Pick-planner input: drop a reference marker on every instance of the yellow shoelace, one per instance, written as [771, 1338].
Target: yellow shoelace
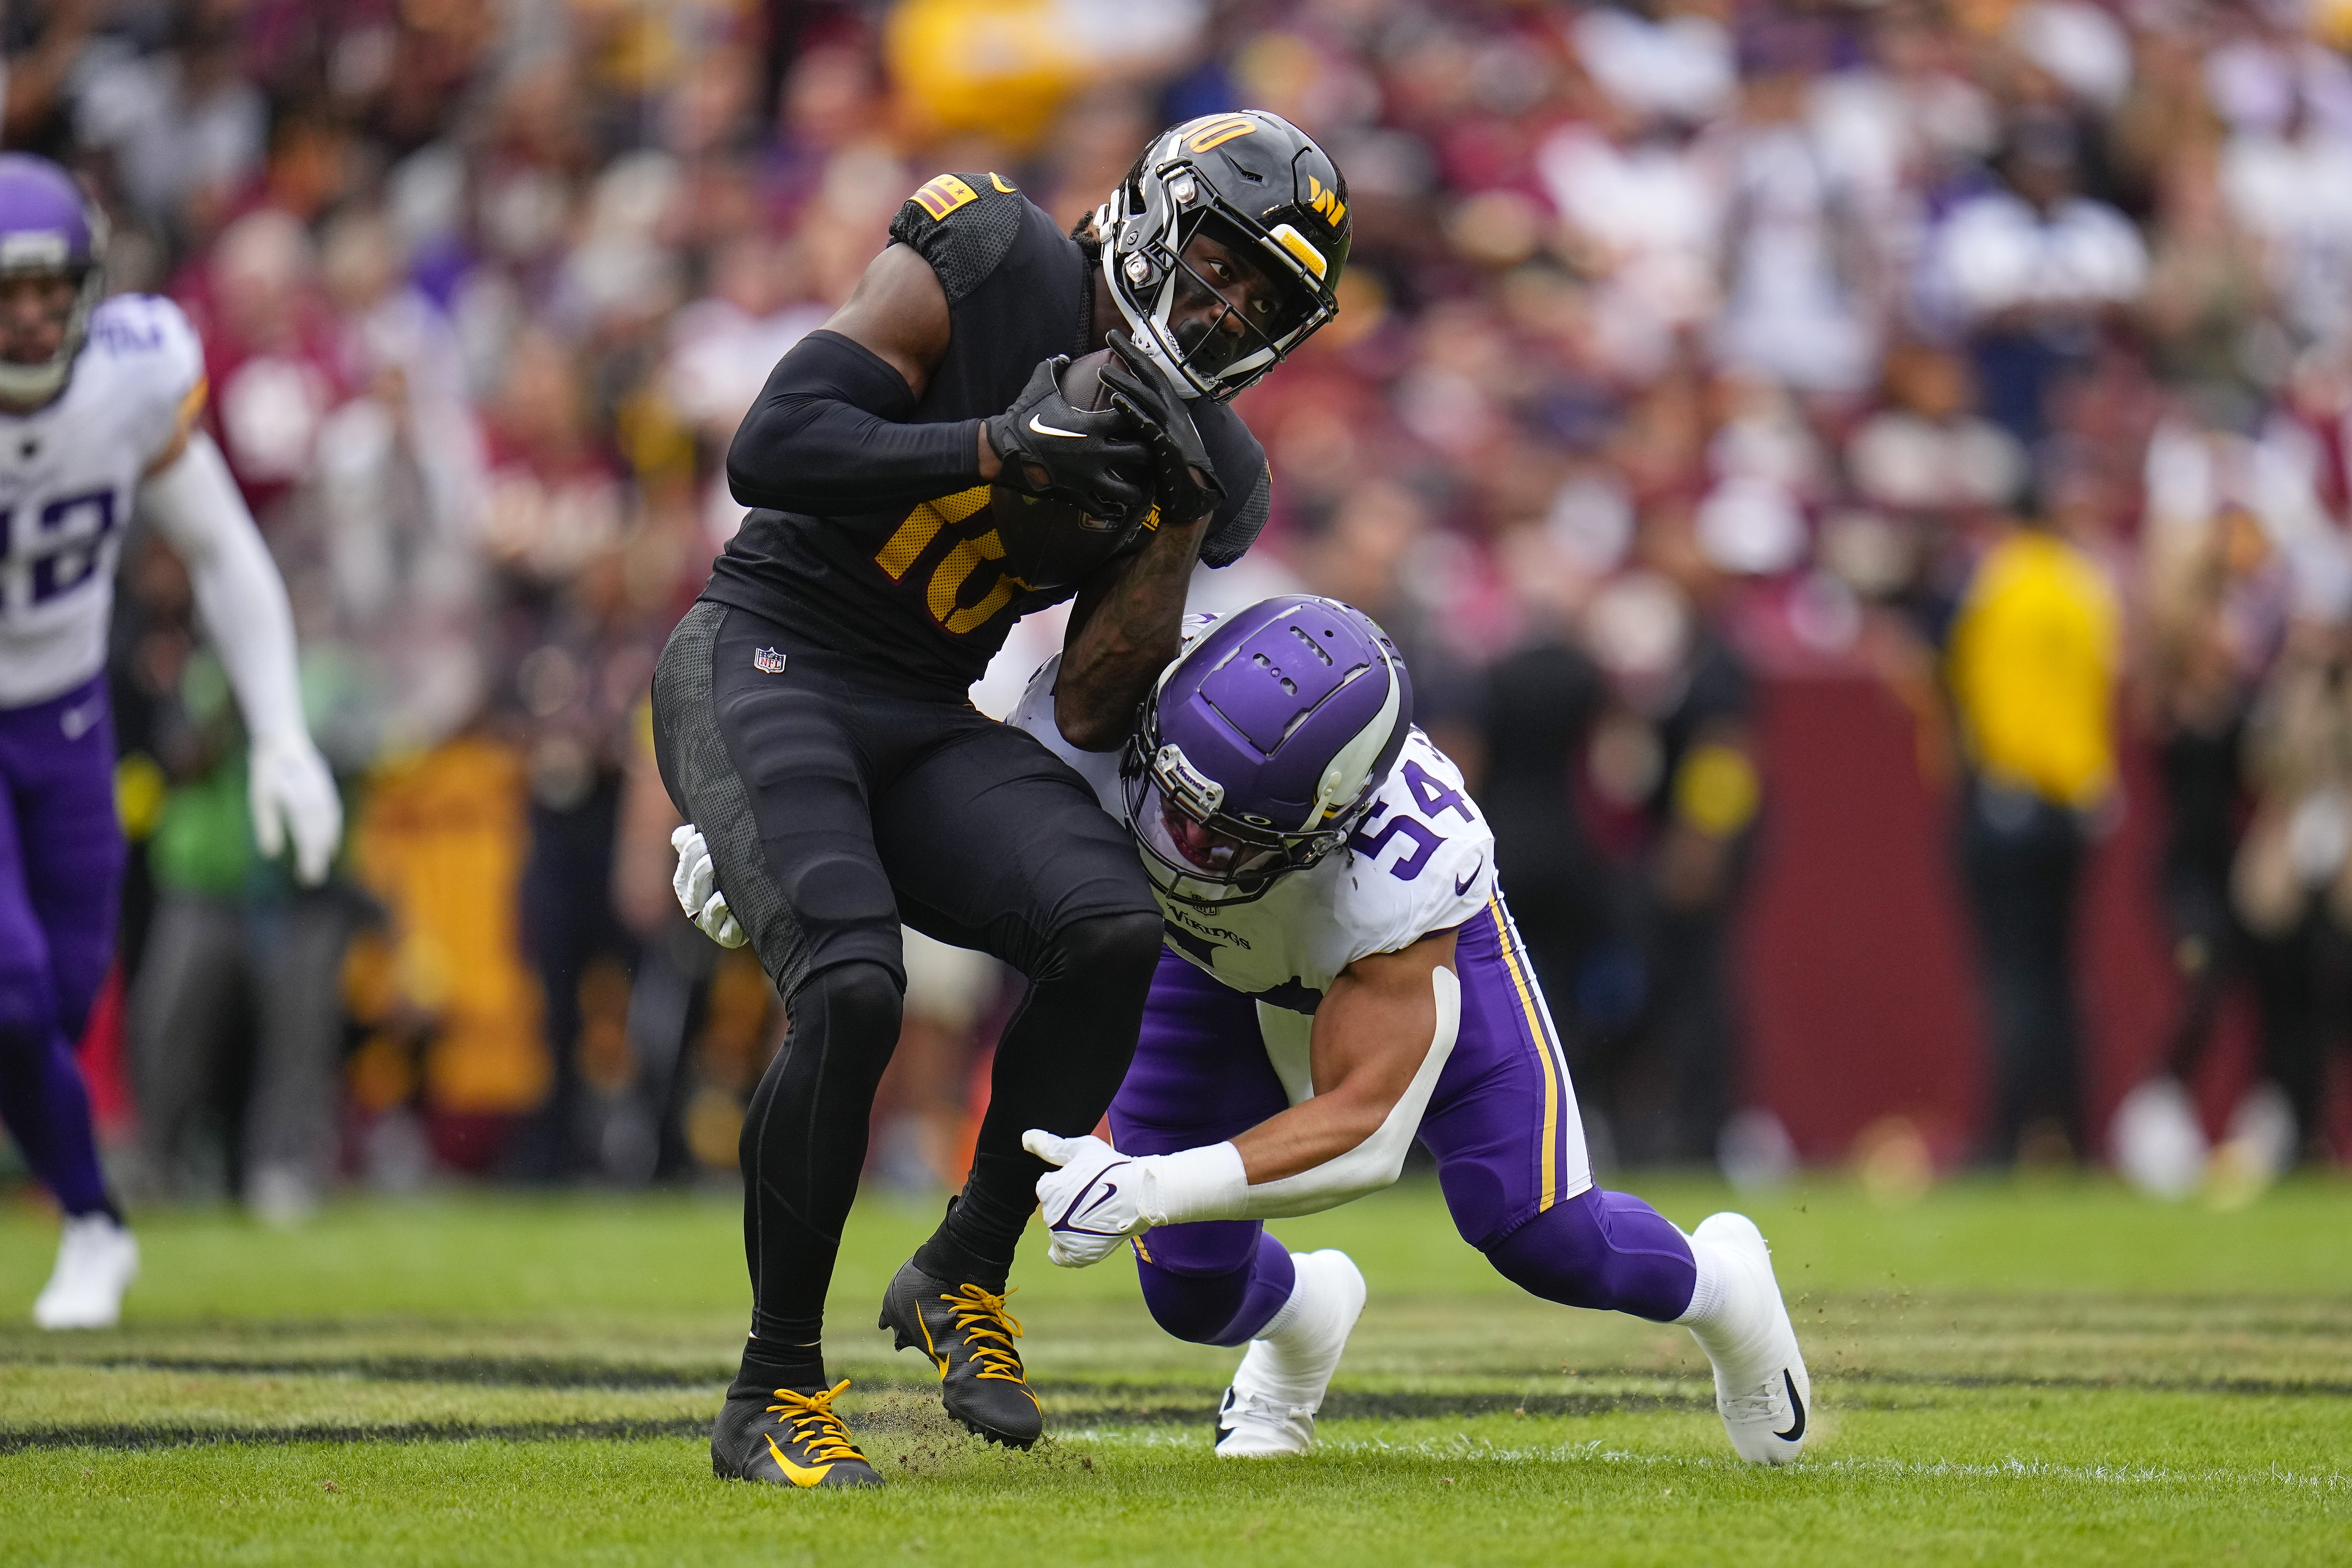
[981, 1317]
[813, 1423]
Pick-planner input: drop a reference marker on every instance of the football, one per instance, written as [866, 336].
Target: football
[1051, 543]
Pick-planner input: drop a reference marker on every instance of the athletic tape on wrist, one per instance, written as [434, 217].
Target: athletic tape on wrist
[1207, 1183]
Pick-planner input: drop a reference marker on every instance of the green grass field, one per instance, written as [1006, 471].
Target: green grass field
[2047, 1373]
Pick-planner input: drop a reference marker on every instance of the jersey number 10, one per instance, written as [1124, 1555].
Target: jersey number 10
[971, 554]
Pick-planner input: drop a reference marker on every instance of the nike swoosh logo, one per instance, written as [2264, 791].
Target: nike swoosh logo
[931, 1346]
[800, 1476]
[1797, 1431]
[1044, 429]
[78, 722]
[1463, 886]
[1071, 1218]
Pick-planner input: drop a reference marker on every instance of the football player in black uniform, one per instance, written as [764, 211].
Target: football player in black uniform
[812, 720]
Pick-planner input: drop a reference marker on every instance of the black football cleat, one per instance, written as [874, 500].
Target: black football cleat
[968, 1335]
[796, 1441]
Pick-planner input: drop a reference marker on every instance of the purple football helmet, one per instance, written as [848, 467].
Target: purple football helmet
[1261, 745]
[48, 229]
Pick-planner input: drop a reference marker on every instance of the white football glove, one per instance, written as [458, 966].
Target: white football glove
[293, 794]
[696, 882]
[1093, 1203]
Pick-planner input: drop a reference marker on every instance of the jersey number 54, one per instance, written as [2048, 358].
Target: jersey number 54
[1434, 797]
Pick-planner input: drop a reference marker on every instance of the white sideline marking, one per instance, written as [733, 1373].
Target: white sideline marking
[1463, 1448]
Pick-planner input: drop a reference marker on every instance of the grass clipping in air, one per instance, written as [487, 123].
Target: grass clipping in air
[2058, 1374]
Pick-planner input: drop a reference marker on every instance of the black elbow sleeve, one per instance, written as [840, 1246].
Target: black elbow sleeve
[828, 436]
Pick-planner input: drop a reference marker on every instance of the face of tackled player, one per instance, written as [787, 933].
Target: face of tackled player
[36, 312]
[1215, 861]
[1177, 835]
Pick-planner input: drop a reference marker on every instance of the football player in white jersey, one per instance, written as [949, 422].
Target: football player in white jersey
[98, 403]
[1342, 978]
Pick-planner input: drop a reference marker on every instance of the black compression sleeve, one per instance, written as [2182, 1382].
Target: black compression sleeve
[828, 436]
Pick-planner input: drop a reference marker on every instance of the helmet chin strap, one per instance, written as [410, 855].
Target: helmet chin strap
[27, 385]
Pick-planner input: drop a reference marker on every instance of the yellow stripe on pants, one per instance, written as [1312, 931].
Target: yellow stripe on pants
[1538, 1032]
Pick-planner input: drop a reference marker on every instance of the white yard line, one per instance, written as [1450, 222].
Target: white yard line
[1462, 1447]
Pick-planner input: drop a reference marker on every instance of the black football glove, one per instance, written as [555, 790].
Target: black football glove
[1184, 479]
[1051, 448]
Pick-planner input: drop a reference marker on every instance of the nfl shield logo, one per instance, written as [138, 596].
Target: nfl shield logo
[768, 661]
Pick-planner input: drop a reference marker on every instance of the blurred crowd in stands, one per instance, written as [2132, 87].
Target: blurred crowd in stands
[2002, 346]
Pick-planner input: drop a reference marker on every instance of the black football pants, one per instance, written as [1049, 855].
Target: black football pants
[2022, 861]
[837, 805]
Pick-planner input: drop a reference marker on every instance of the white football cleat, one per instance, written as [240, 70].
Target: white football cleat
[1270, 1409]
[2263, 1127]
[1254, 1426]
[2157, 1141]
[96, 1261]
[1762, 1389]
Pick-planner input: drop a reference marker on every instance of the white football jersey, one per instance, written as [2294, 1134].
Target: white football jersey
[1422, 859]
[70, 474]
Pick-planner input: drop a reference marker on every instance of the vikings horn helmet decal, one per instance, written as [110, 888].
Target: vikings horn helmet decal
[1262, 187]
[48, 229]
[1261, 746]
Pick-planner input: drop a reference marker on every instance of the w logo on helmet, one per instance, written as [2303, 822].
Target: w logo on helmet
[1326, 200]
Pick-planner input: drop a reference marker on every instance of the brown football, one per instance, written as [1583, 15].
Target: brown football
[1051, 543]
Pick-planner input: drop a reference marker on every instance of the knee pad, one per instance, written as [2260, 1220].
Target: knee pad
[845, 1025]
[1121, 949]
[1557, 1255]
[1194, 1307]
[858, 1003]
[1212, 1282]
[844, 1017]
[1600, 1250]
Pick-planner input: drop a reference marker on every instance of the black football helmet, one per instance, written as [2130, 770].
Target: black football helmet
[1262, 187]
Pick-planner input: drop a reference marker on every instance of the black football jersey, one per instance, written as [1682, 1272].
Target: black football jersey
[918, 594]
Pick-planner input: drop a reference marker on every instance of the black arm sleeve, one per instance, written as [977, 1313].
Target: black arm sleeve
[1249, 486]
[1237, 527]
[827, 436]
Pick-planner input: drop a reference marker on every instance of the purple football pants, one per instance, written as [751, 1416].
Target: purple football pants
[1502, 1125]
[61, 856]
